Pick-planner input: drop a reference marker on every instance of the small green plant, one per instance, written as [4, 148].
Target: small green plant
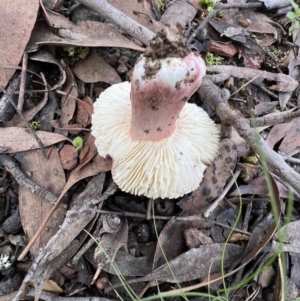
[160, 5]
[78, 143]
[207, 4]
[35, 125]
[76, 53]
[294, 17]
[212, 60]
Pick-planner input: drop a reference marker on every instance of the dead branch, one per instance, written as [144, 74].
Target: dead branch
[285, 83]
[212, 94]
[6, 161]
[129, 25]
[283, 117]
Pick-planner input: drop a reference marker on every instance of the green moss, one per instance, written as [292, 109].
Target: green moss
[76, 53]
[212, 60]
[207, 4]
[35, 125]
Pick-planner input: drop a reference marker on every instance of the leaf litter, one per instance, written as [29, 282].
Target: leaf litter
[58, 96]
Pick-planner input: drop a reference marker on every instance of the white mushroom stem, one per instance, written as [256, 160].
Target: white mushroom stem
[159, 90]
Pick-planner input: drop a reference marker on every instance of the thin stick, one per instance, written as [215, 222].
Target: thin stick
[215, 204]
[247, 83]
[6, 161]
[22, 82]
[283, 117]
[129, 25]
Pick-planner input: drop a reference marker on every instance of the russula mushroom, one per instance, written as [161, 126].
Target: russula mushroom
[160, 144]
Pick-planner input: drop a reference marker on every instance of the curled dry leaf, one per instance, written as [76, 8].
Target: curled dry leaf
[47, 57]
[17, 19]
[68, 101]
[15, 139]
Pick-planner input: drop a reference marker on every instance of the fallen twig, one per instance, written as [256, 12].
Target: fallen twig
[284, 83]
[6, 161]
[283, 117]
[129, 25]
[22, 83]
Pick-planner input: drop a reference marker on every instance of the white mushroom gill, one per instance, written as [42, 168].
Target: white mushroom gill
[168, 168]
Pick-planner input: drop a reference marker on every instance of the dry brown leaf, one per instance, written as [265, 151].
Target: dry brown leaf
[206, 258]
[51, 287]
[85, 34]
[17, 19]
[47, 173]
[28, 114]
[68, 101]
[47, 57]
[215, 177]
[259, 187]
[68, 156]
[88, 168]
[258, 22]
[94, 69]
[137, 10]
[19, 139]
[290, 134]
[84, 112]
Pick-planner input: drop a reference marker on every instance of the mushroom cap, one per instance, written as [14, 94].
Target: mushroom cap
[168, 168]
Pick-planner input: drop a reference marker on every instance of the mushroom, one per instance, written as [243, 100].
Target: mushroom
[160, 145]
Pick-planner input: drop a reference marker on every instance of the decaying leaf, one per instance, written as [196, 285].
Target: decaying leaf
[215, 177]
[16, 139]
[259, 187]
[94, 69]
[288, 238]
[129, 265]
[47, 57]
[28, 114]
[206, 258]
[85, 34]
[68, 101]
[33, 208]
[290, 134]
[17, 19]
[110, 242]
